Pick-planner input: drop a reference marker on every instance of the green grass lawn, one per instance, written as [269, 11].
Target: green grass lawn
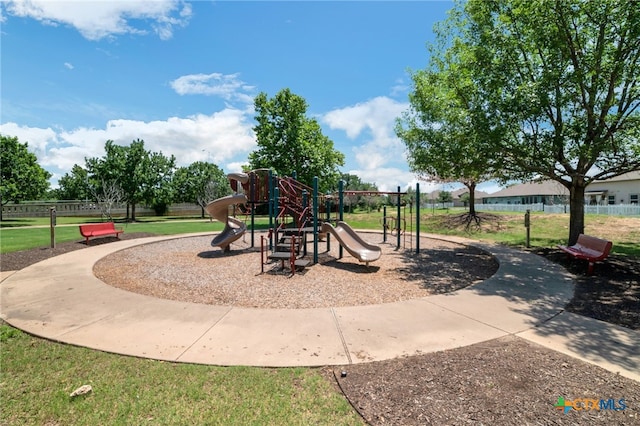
[37, 376]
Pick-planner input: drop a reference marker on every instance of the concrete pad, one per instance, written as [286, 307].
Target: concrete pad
[611, 347]
[271, 338]
[378, 332]
[153, 329]
[5, 274]
[509, 315]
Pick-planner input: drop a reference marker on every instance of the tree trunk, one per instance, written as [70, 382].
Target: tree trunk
[472, 198]
[201, 212]
[576, 209]
[133, 212]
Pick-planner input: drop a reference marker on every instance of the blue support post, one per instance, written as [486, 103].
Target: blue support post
[340, 209]
[328, 236]
[271, 195]
[315, 219]
[276, 204]
[252, 204]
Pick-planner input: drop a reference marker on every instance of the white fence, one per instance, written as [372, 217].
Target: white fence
[610, 210]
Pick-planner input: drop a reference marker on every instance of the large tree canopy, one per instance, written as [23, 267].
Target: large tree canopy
[74, 185]
[291, 143]
[200, 183]
[22, 177]
[144, 176]
[558, 82]
[444, 128]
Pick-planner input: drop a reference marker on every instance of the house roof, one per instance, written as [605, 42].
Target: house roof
[433, 195]
[545, 187]
[627, 176]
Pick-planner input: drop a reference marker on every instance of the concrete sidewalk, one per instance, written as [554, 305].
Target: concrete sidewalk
[60, 299]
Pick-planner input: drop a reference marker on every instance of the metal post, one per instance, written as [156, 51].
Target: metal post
[315, 219]
[340, 209]
[398, 221]
[252, 205]
[271, 195]
[384, 224]
[328, 236]
[527, 224]
[417, 218]
[52, 225]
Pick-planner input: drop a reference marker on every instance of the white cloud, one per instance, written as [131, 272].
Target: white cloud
[388, 178]
[376, 115]
[68, 65]
[226, 86]
[222, 137]
[378, 152]
[99, 19]
[38, 139]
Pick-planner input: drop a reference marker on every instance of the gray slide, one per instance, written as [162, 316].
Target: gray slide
[350, 240]
[234, 228]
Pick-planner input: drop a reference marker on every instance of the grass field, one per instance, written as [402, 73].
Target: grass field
[37, 376]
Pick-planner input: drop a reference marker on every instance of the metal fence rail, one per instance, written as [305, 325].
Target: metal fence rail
[609, 210]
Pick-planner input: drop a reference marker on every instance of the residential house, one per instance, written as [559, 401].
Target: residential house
[624, 189]
[457, 196]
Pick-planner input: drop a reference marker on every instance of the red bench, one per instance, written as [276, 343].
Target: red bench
[589, 248]
[99, 229]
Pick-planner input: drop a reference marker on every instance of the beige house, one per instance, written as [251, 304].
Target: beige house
[624, 189]
[545, 192]
[457, 196]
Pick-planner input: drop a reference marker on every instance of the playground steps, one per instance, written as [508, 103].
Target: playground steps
[282, 251]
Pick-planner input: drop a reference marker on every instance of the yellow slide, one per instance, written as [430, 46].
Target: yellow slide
[350, 240]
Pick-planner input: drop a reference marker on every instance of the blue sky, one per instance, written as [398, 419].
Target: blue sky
[183, 75]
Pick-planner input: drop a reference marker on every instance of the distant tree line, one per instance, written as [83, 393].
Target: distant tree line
[289, 143]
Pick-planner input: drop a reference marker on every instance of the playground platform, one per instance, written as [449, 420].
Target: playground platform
[60, 299]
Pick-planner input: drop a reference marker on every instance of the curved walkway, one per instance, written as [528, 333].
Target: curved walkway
[60, 299]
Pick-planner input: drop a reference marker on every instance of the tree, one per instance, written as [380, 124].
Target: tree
[74, 185]
[290, 143]
[200, 183]
[144, 176]
[444, 130]
[22, 177]
[444, 197]
[560, 85]
[106, 196]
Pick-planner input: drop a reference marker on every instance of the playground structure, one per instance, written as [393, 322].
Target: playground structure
[298, 214]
